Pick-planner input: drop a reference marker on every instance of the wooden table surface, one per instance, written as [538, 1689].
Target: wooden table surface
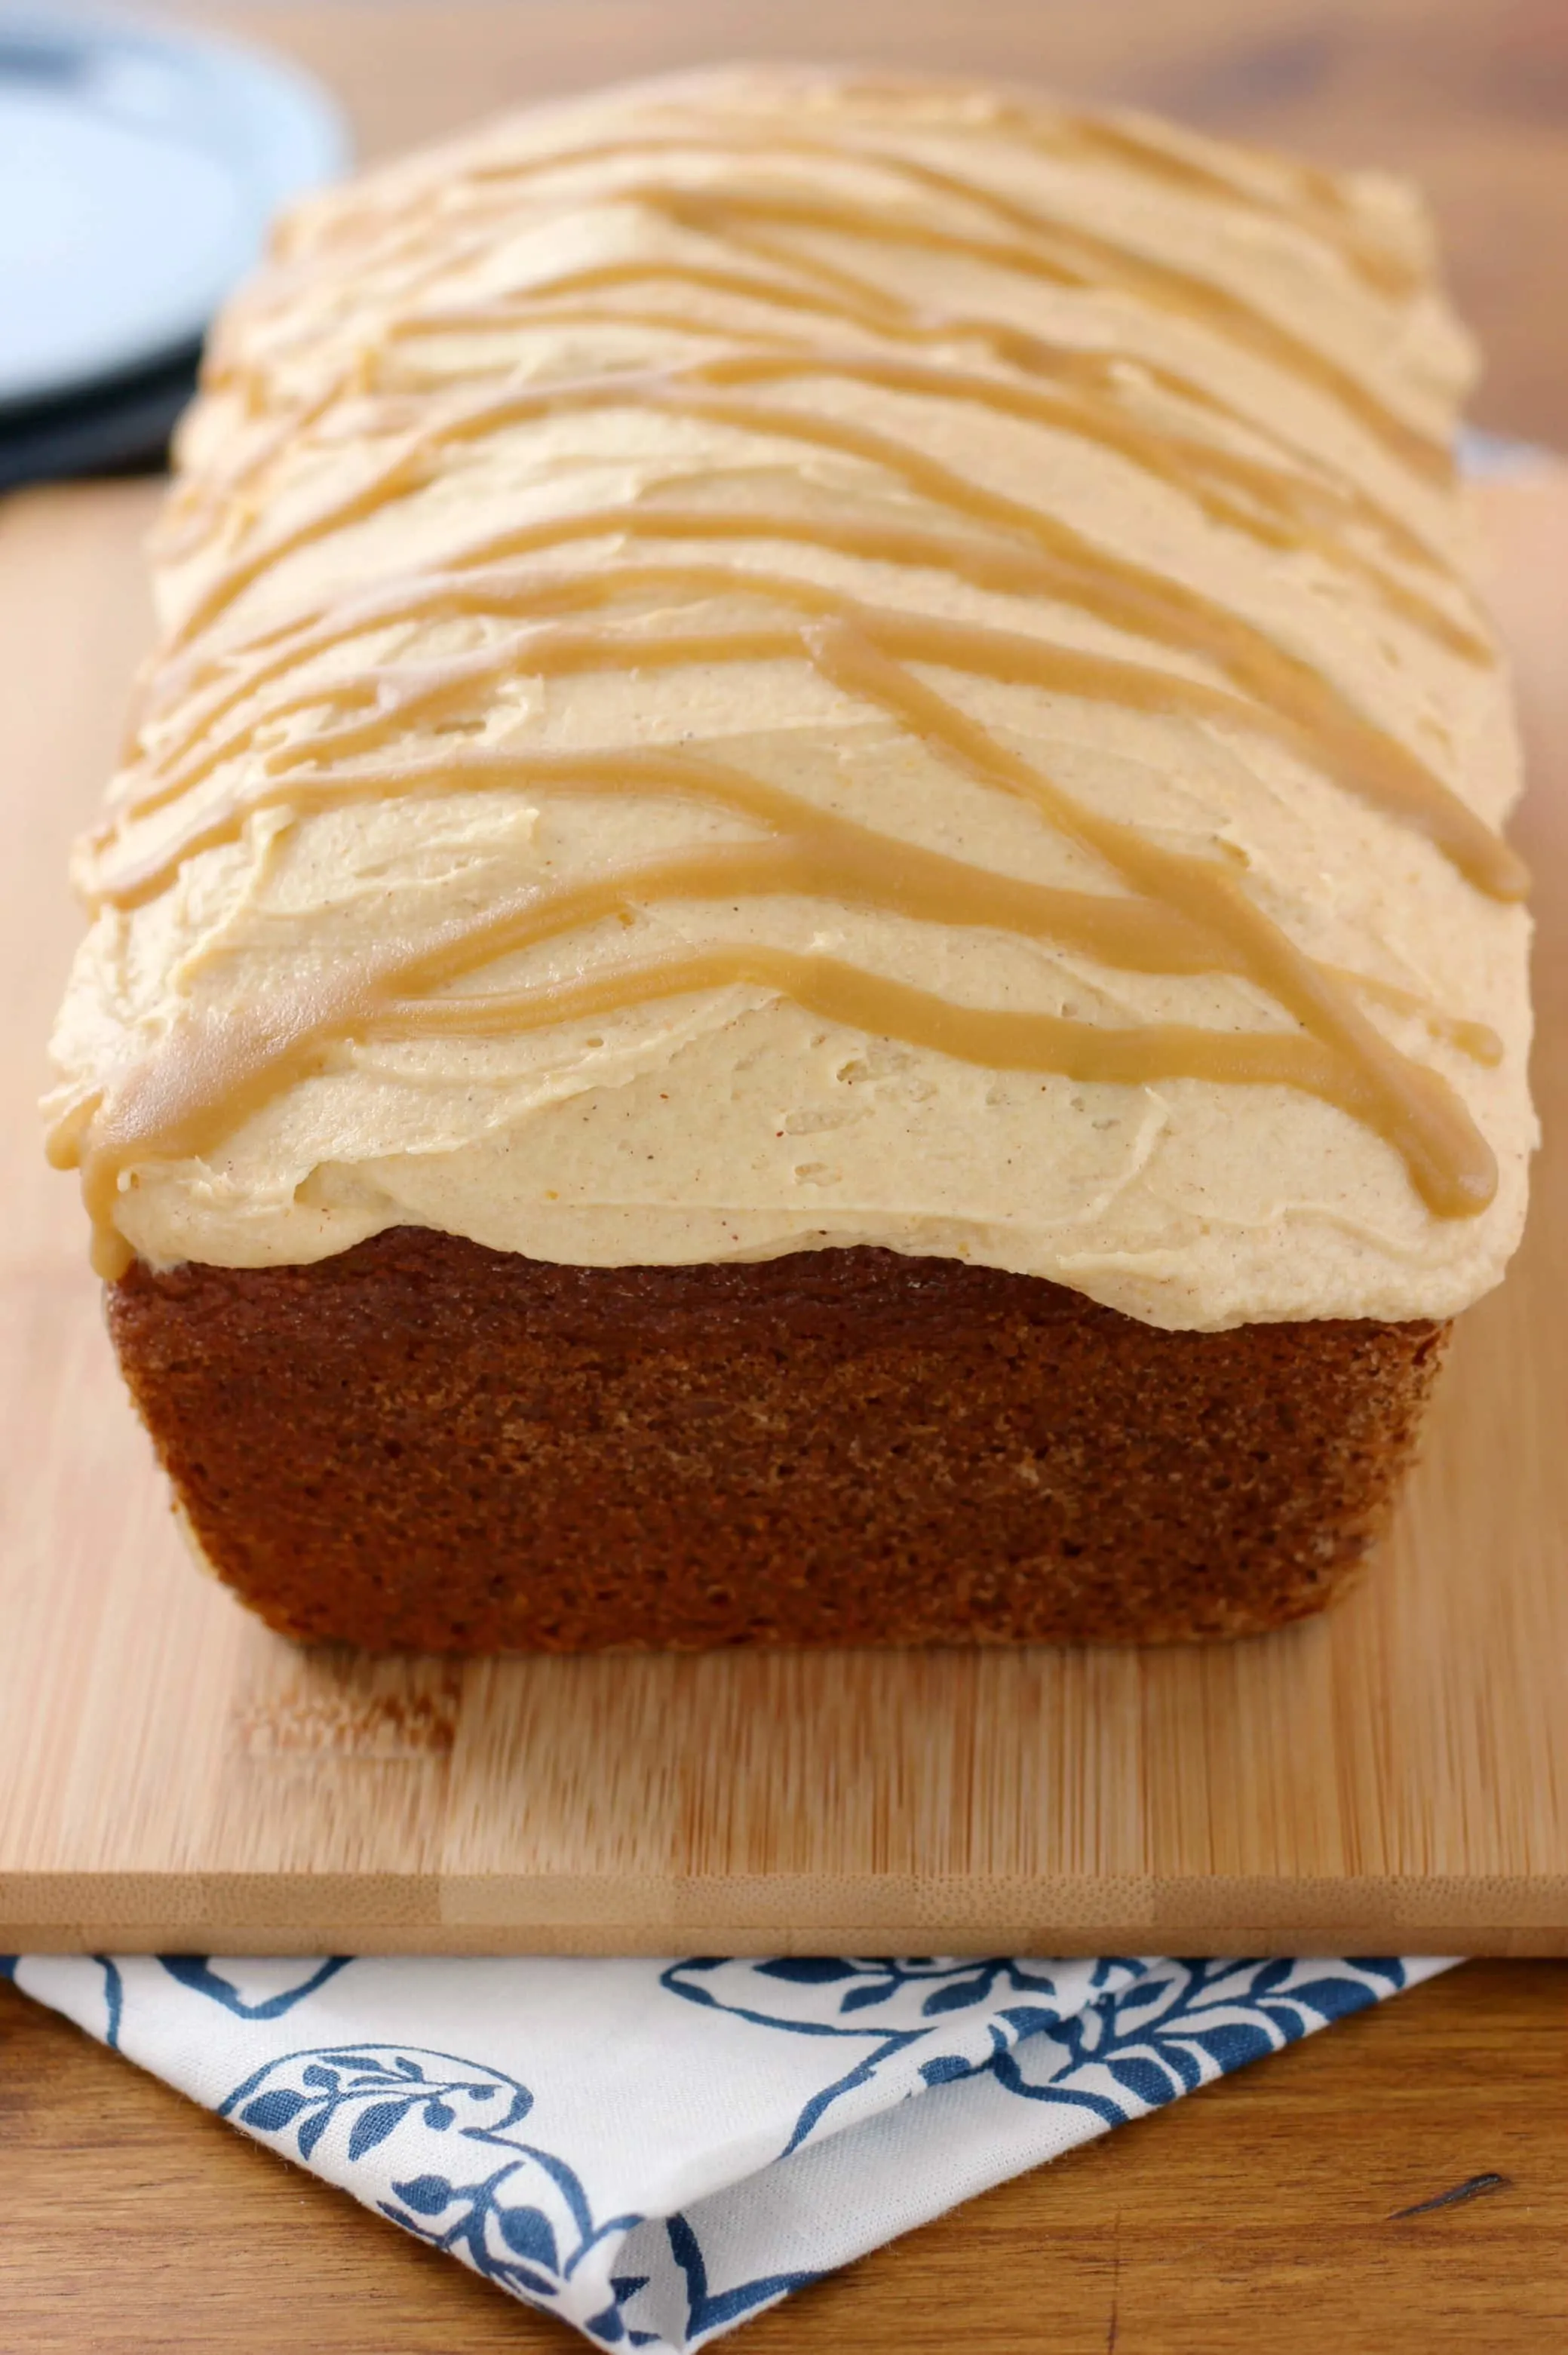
[1269, 2211]
[1266, 2211]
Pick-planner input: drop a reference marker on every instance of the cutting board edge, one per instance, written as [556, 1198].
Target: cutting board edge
[420, 1913]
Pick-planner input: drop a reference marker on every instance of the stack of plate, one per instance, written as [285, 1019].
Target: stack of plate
[139, 169]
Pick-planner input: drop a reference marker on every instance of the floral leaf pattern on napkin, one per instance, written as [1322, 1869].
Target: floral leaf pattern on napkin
[906, 1994]
[524, 2224]
[656, 2151]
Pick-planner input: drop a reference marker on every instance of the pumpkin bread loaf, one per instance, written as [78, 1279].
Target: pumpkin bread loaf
[805, 937]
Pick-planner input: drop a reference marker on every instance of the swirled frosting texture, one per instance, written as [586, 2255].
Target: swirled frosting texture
[775, 661]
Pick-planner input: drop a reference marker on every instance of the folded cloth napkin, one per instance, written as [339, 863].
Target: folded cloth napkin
[656, 2151]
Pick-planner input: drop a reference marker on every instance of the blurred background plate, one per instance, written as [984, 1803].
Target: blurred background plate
[139, 169]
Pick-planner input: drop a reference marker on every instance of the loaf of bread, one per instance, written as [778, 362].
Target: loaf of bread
[805, 936]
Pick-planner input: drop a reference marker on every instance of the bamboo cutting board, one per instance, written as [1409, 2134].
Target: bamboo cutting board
[1393, 1778]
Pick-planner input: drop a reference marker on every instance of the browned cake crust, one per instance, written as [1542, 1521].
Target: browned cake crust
[422, 1443]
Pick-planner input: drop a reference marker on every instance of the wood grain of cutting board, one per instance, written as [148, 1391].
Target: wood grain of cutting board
[1392, 1776]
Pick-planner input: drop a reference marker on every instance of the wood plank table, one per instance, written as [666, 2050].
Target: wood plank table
[1271, 2208]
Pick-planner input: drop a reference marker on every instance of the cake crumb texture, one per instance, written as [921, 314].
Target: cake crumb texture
[422, 1444]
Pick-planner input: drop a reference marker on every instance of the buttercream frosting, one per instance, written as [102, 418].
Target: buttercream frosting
[681, 613]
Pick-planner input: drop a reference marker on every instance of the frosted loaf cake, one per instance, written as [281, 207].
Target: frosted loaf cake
[805, 936]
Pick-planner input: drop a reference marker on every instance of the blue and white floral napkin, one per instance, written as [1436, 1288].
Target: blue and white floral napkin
[656, 2151]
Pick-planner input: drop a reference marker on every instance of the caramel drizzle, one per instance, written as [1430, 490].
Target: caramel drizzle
[1067, 254]
[188, 1097]
[829, 857]
[1102, 374]
[1311, 203]
[1196, 468]
[1066, 567]
[1311, 200]
[1008, 658]
[1080, 261]
[1178, 913]
[1447, 1156]
[1319, 208]
[1300, 498]
[1079, 258]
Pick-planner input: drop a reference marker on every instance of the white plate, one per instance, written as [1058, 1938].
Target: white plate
[138, 171]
